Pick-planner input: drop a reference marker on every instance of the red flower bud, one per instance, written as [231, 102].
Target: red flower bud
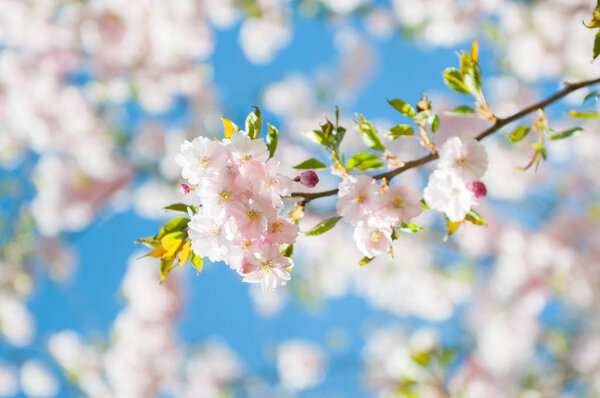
[478, 188]
[185, 189]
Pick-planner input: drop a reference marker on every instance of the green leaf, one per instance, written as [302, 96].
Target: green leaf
[272, 138]
[461, 110]
[176, 224]
[454, 80]
[597, 45]
[323, 226]
[254, 123]
[474, 218]
[171, 242]
[150, 242]
[519, 133]
[166, 264]
[565, 134]
[310, 164]
[592, 94]
[400, 130]
[595, 22]
[369, 135]
[288, 252]
[338, 135]
[435, 122]
[197, 262]
[411, 228]
[583, 115]
[364, 161]
[365, 260]
[402, 107]
[472, 78]
[182, 207]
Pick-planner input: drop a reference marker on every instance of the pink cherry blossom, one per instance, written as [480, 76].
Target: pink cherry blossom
[200, 158]
[252, 216]
[399, 204]
[467, 159]
[373, 237]
[447, 193]
[282, 231]
[211, 234]
[265, 181]
[267, 266]
[357, 198]
[242, 149]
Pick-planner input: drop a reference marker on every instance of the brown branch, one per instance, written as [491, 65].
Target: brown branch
[498, 124]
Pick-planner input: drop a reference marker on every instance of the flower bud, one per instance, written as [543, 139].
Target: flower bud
[478, 188]
[185, 189]
[308, 178]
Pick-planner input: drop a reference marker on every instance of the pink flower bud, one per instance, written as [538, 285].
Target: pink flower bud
[308, 178]
[478, 188]
[185, 189]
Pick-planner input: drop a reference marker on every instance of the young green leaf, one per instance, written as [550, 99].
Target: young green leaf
[323, 226]
[402, 107]
[454, 80]
[597, 45]
[519, 133]
[310, 164]
[150, 242]
[364, 161]
[565, 134]
[272, 138]
[583, 115]
[400, 130]
[166, 264]
[254, 123]
[197, 262]
[412, 228]
[369, 134]
[181, 207]
[365, 260]
[176, 224]
[434, 120]
[474, 218]
[461, 110]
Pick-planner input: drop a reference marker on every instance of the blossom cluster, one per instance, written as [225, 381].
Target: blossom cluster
[454, 187]
[375, 211]
[239, 219]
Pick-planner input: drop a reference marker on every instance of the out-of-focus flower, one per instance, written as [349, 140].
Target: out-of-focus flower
[37, 381]
[9, 385]
[301, 364]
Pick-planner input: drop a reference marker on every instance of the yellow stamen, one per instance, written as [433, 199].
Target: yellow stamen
[252, 215]
[397, 203]
[203, 163]
[276, 227]
[375, 236]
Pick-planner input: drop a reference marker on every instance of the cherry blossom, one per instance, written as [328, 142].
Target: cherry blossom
[468, 159]
[447, 193]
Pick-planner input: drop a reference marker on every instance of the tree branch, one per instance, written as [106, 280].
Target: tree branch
[498, 124]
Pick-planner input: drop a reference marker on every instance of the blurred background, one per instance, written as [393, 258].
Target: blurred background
[96, 97]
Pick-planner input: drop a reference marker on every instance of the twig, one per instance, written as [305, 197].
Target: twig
[498, 124]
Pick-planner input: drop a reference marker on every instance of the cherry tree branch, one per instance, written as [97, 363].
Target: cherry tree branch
[498, 124]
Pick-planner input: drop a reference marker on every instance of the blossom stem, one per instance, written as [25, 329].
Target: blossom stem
[498, 124]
